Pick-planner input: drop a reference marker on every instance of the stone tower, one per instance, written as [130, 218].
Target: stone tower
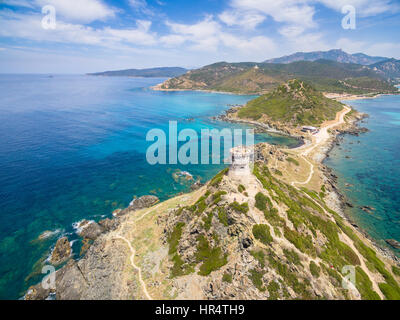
[241, 157]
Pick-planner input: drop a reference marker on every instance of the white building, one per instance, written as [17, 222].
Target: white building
[241, 158]
[309, 129]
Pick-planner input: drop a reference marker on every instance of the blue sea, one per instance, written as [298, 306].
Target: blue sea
[368, 168]
[73, 147]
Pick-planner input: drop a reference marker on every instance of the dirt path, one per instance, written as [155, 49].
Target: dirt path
[319, 139]
[133, 252]
[139, 270]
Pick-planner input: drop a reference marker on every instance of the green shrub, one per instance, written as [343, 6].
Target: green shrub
[277, 232]
[218, 196]
[294, 161]
[201, 205]
[289, 278]
[261, 232]
[273, 218]
[390, 292]
[242, 208]
[396, 271]
[222, 216]
[259, 256]
[315, 270]
[212, 258]
[241, 188]
[292, 256]
[256, 278]
[207, 221]
[180, 268]
[303, 243]
[364, 286]
[218, 178]
[179, 211]
[174, 237]
[273, 290]
[227, 277]
[262, 201]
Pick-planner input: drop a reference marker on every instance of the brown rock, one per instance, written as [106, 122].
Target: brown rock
[90, 230]
[61, 252]
[137, 204]
[109, 224]
[393, 243]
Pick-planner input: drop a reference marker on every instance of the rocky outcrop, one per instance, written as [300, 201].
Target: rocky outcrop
[393, 243]
[89, 230]
[109, 224]
[137, 204]
[97, 276]
[61, 252]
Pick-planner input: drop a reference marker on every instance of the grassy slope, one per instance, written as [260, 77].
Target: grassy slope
[322, 74]
[311, 219]
[295, 103]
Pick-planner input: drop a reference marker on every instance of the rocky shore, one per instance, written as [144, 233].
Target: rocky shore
[339, 202]
[106, 270]
[269, 127]
[85, 278]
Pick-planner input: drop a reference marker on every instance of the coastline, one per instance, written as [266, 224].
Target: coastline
[347, 97]
[158, 88]
[337, 202]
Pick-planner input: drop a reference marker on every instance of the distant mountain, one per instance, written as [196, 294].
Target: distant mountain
[334, 55]
[389, 68]
[259, 78]
[166, 72]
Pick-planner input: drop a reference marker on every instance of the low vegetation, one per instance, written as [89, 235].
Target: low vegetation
[211, 258]
[261, 232]
[294, 103]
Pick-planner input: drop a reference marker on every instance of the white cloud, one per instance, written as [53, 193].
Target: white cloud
[292, 12]
[297, 16]
[364, 8]
[83, 11]
[385, 49]
[138, 3]
[141, 6]
[172, 40]
[29, 27]
[208, 35]
[291, 31]
[139, 36]
[18, 3]
[351, 45]
[312, 41]
[247, 20]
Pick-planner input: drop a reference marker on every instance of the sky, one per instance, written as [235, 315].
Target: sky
[80, 36]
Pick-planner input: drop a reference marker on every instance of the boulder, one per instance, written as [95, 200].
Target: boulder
[143, 202]
[61, 252]
[109, 224]
[90, 230]
[37, 292]
[393, 243]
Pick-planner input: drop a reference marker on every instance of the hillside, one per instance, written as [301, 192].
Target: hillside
[252, 237]
[259, 78]
[389, 68]
[167, 72]
[337, 55]
[292, 104]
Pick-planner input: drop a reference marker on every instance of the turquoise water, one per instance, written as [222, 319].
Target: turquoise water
[372, 173]
[73, 147]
